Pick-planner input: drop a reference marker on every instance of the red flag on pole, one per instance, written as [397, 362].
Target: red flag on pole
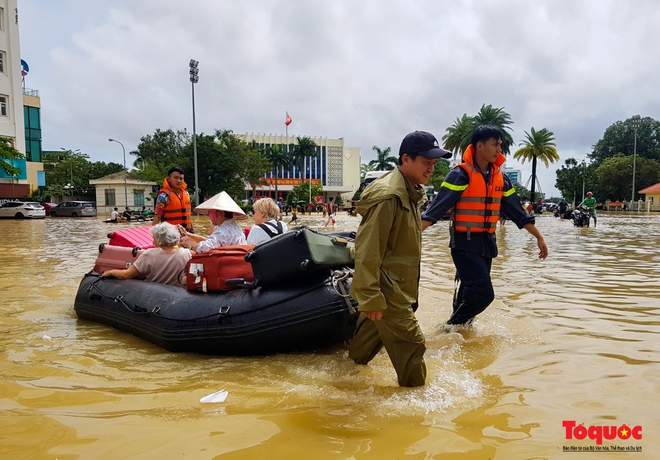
[288, 120]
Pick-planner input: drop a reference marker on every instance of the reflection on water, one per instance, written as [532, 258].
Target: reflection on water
[570, 338]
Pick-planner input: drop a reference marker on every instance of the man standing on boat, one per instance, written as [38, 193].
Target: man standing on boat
[173, 202]
[388, 249]
[479, 192]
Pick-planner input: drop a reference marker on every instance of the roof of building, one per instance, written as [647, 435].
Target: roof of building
[652, 189]
[119, 177]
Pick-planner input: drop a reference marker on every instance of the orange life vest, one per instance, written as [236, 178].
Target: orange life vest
[178, 210]
[478, 208]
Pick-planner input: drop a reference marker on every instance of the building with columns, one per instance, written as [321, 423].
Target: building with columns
[337, 167]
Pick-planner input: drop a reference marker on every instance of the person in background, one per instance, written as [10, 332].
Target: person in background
[173, 202]
[563, 207]
[161, 264]
[332, 211]
[127, 214]
[267, 225]
[294, 211]
[479, 192]
[114, 215]
[223, 213]
[590, 203]
[388, 252]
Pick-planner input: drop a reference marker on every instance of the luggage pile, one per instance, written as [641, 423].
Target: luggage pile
[286, 258]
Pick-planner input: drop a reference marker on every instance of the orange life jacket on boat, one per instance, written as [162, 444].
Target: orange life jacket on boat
[478, 208]
[178, 209]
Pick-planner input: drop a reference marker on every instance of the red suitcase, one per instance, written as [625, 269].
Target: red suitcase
[115, 257]
[209, 271]
[133, 237]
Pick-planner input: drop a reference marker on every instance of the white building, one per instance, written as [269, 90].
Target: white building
[117, 190]
[336, 167]
[12, 115]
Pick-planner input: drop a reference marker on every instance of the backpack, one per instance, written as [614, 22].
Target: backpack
[272, 229]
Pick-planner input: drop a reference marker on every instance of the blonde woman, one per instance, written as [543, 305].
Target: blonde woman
[266, 221]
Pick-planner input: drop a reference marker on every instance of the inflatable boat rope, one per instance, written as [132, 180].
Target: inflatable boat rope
[338, 279]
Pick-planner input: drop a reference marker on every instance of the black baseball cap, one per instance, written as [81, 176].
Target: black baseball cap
[424, 144]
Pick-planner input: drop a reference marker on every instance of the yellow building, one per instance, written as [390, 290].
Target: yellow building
[652, 195]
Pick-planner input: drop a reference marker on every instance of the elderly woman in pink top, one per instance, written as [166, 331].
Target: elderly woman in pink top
[161, 264]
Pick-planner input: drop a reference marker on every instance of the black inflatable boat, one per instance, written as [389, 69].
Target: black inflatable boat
[307, 315]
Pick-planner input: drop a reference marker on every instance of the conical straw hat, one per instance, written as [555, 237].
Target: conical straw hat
[222, 202]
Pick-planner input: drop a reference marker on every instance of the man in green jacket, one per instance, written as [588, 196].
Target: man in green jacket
[388, 249]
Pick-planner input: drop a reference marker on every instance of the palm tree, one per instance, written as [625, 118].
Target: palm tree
[278, 157]
[383, 162]
[539, 144]
[489, 115]
[306, 148]
[459, 135]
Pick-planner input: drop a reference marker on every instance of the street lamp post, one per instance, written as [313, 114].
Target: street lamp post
[194, 78]
[584, 173]
[635, 121]
[124, 151]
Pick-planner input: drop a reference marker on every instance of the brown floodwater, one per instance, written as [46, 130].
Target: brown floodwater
[571, 338]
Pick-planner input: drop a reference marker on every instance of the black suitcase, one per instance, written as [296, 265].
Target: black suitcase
[291, 255]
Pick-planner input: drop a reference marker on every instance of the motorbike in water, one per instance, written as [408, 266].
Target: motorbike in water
[581, 217]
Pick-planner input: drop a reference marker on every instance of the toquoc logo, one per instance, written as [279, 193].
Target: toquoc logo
[598, 432]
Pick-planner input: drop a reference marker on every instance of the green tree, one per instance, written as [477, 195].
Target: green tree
[306, 148]
[100, 169]
[279, 158]
[439, 173]
[220, 158]
[459, 135]
[157, 153]
[615, 177]
[8, 152]
[384, 161]
[303, 191]
[489, 115]
[538, 145]
[364, 169]
[255, 167]
[620, 138]
[575, 176]
[521, 190]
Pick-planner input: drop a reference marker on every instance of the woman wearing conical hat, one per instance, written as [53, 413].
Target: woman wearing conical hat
[223, 213]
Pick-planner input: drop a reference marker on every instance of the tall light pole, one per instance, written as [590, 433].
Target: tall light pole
[635, 121]
[194, 78]
[584, 173]
[124, 151]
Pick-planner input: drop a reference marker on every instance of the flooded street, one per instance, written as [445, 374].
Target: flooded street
[571, 338]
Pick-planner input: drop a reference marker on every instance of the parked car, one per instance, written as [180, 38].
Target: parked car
[22, 209]
[549, 206]
[48, 206]
[74, 209]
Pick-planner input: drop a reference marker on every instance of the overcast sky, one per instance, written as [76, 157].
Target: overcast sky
[369, 71]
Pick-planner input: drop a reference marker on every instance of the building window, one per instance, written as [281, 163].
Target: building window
[110, 199]
[138, 197]
[2, 62]
[2, 19]
[3, 105]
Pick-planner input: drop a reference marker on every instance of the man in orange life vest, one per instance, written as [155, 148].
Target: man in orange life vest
[173, 202]
[479, 193]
